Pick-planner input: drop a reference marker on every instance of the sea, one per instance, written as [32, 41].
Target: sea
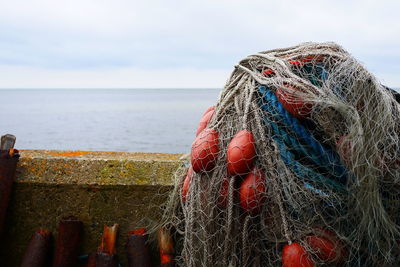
[124, 120]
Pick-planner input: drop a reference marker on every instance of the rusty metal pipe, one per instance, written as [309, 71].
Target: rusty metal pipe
[38, 251]
[106, 255]
[8, 164]
[67, 243]
[137, 250]
[166, 246]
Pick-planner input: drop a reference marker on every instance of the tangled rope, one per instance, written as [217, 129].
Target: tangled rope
[298, 163]
[315, 151]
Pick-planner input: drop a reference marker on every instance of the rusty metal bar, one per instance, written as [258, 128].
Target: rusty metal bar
[8, 164]
[166, 246]
[37, 253]
[68, 242]
[106, 255]
[137, 250]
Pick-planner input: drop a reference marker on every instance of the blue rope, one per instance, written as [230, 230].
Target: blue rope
[294, 144]
[304, 172]
[284, 141]
[314, 150]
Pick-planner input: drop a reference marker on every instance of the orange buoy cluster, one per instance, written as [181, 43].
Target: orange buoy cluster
[241, 153]
[326, 246]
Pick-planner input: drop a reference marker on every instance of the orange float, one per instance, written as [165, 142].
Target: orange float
[205, 119]
[268, 73]
[306, 60]
[241, 153]
[208, 109]
[324, 249]
[294, 255]
[186, 183]
[252, 191]
[205, 150]
[327, 246]
[292, 102]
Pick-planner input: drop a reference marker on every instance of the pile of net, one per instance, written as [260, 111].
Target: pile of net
[297, 164]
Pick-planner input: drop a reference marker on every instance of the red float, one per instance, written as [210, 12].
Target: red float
[327, 246]
[294, 255]
[252, 191]
[292, 102]
[205, 119]
[241, 153]
[208, 109]
[205, 150]
[306, 60]
[186, 183]
[325, 249]
[268, 73]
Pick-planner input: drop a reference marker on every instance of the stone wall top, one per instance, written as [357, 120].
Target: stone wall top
[96, 168]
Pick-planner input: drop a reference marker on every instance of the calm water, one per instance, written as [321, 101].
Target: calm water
[137, 120]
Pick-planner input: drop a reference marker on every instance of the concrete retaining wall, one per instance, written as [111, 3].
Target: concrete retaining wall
[97, 187]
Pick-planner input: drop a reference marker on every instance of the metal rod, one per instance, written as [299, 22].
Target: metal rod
[8, 164]
[67, 243]
[166, 246]
[106, 255]
[38, 250]
[137, 250]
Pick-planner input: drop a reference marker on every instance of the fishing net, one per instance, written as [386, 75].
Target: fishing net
[299, 161]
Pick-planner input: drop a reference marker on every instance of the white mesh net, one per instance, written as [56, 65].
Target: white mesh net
[298, 163]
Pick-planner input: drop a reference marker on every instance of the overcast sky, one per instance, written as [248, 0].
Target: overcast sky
[127, 44]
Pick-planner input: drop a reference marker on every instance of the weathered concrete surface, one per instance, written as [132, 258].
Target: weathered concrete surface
[102, 168]
[97, 187]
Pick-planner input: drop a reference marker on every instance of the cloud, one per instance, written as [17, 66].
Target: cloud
[111, 78]
[174, 36]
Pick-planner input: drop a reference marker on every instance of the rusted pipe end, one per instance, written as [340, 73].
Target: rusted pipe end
[138, 252]
[44, 233]
[109, 239]
[166, 246]
[165, 242]
[138, 231]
